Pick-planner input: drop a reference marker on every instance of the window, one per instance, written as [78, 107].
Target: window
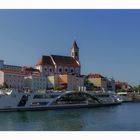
[71, 70]
[60, 70]
[66, 70]
[50, 70]
[45, 96]
[38, 103]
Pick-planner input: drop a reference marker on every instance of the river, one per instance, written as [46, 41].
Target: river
[125, 117]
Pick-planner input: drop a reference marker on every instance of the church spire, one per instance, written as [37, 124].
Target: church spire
[75, 51]
[75, 45]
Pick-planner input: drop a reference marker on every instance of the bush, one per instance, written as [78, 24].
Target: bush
[59, 88]
[3, 86]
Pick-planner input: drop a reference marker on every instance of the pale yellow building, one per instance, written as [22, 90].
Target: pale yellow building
[98, 81]
[70, 82]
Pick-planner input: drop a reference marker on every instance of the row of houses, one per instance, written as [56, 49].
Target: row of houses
[30, 78]
[55, 72]
[99, 82]
[50, 72]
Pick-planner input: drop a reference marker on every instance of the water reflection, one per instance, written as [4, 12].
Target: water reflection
[120, 118]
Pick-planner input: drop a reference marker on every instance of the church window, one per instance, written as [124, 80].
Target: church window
[50, 70]
[60, 70]
[66, 70]
[71, 70]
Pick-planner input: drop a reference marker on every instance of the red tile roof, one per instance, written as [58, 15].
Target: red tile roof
[13, 72]
[95, 76]
[59, 60]
[45, 60]
[120, 83]
[65, 61]
[20, 73]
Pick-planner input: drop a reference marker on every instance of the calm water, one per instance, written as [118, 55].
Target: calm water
[115, 118]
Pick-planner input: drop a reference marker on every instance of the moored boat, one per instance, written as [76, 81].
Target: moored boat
[21, 101]
[125, 97]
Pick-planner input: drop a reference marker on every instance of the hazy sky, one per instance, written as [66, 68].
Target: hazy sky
[109, 40]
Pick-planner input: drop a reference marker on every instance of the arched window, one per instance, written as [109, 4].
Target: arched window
[50, 70]
[66, 70]
[60, 70]
[71, 70]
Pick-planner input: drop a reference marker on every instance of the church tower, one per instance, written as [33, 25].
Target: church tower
[75, 51]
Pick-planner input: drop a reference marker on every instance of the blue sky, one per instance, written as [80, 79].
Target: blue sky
[109, 40]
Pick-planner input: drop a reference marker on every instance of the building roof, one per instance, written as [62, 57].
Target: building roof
[20, 73]
[65, 61]
[45, 60]
[31, 69]
[13, 72]
[12, 66]
[120, 83]
[95, 76]
[58, 60]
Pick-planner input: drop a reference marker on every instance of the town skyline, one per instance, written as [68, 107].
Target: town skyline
[29, 34]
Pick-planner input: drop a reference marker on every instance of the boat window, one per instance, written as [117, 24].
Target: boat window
[123, 94]
[23, 101]
[45, 96]
[103, 95]
[39, 103]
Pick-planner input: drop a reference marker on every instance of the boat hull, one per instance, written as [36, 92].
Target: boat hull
[58, 107]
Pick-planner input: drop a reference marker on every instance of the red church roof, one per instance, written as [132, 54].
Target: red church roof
[58, 60]
[45, 60]
[65, 61]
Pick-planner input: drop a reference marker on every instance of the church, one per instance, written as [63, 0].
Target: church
[57, 64]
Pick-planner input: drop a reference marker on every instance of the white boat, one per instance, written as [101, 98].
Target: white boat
[107, 97]
[125, 97]
[20, 101]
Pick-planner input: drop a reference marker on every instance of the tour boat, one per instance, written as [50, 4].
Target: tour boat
[22, 101]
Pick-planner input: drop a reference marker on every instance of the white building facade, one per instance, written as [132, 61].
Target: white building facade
[35, 82]
[12, 79]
